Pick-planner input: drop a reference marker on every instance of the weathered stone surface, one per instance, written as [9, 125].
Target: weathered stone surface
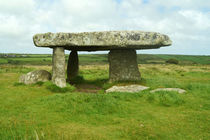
[123, 66]
[73, 65]
[169, 89]
[35, 76]
[129, 88]
[58, 68]
[106, 40]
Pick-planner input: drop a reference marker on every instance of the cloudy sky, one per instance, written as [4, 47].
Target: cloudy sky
[187, 22]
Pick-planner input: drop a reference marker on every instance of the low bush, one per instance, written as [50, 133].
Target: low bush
[172, 61]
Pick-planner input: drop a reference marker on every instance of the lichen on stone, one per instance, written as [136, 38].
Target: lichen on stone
[106, 40]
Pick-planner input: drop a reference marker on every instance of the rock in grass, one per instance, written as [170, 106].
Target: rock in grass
[35, 76]
[128, 88]
[181, 91]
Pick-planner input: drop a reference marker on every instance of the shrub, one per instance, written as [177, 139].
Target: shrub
[14, 62]
[172, 61]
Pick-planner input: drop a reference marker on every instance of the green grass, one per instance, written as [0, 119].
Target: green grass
[42, 111]
[188, 59]
[38, 112]
[53, 88]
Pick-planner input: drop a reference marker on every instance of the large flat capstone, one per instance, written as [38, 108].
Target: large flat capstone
[106, 40]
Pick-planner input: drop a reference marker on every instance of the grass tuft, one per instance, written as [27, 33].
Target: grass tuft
[77, 80]
[39, 83]
[165, 98]
[54, 88]
[18, 84]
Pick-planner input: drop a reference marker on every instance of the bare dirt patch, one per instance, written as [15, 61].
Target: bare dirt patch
[88, 88]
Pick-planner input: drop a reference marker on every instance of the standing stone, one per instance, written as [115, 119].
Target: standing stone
[73, 65]
[123, 65]
[58, 68]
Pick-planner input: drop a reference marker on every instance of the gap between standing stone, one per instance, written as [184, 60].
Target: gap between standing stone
[73, 65]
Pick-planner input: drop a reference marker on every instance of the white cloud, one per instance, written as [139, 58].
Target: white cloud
[198, 19]
[16, 7]
[187, 22]
[186, 4]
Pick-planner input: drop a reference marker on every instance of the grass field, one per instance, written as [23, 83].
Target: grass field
[37, 112]
[87, 59]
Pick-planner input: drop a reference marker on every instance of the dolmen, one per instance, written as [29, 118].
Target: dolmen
[122, 46]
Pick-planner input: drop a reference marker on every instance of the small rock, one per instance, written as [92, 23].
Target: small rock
[35, 76]
[141, 125]
[181, 91]
[129, 88]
